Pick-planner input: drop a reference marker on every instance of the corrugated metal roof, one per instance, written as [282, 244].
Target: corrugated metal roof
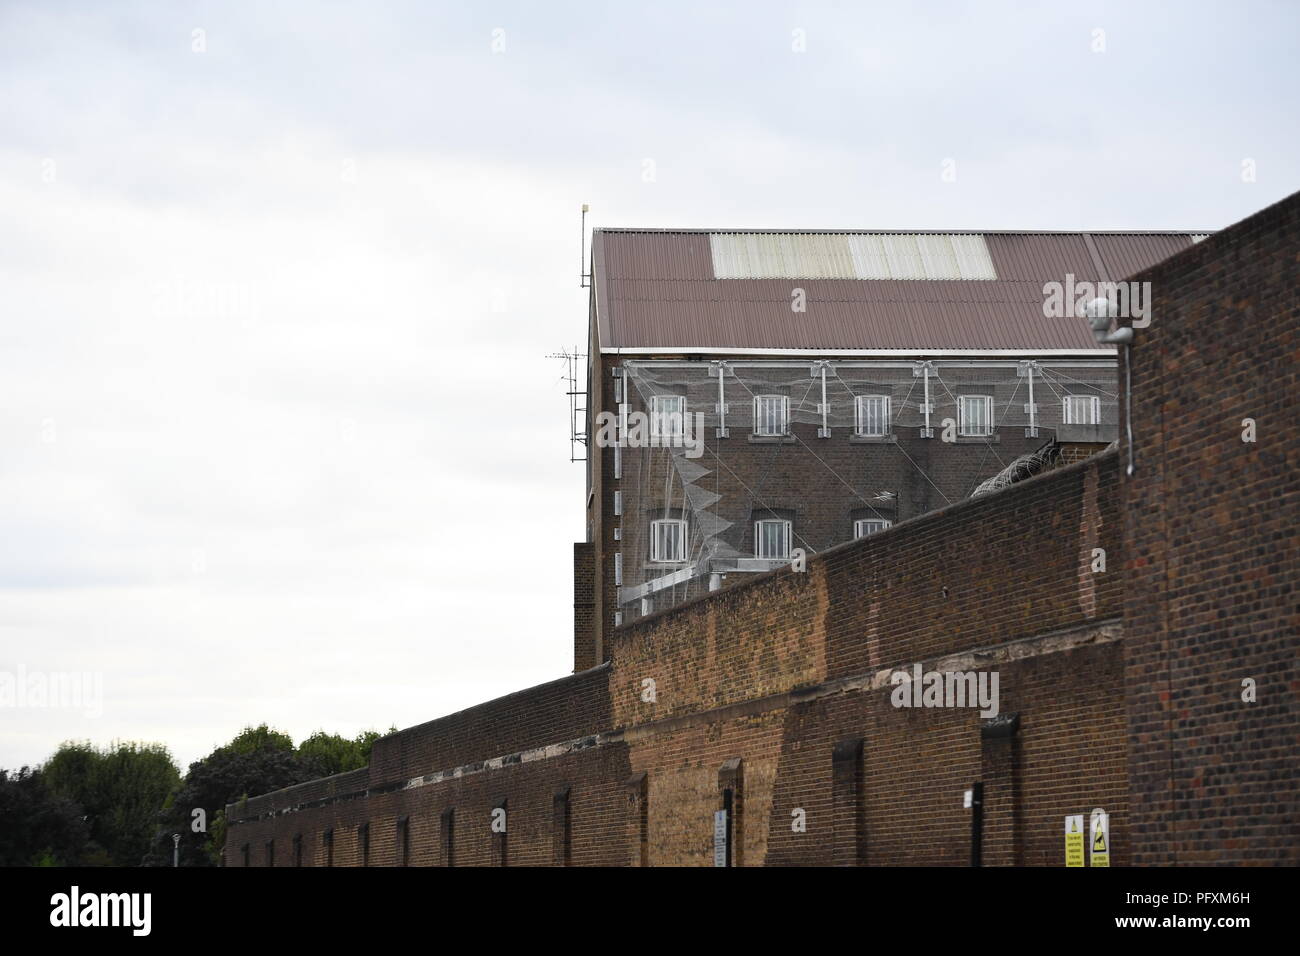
[732, 289]
[1124, 255]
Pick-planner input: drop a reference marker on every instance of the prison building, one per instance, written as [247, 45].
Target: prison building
[1137, 606]
[757, 395]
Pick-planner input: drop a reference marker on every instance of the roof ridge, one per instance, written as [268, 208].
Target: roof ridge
[672, 230]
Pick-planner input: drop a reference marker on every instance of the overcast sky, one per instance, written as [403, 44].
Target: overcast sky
[278, 439]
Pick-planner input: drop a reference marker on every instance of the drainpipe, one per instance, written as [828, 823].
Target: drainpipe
[1027, 370]
[825, 430]
[721, 368]
[922, 370]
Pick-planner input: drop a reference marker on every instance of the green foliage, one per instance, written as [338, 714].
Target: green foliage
[324, 755]
[119, 789]
[39, 827]
[259, 739]
[120, 805]
[216, 837]
[258, 760]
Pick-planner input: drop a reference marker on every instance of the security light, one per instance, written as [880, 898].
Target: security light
[1100, 313]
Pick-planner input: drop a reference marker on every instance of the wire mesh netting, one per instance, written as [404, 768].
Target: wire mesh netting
[734, 464]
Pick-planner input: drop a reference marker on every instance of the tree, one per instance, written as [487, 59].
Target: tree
[324, 755]
[257, 761]
[120, 789]
[41, 828]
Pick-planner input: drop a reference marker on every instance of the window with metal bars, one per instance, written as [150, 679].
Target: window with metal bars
[873, 416]
[668, 540]
[771, 415]
[667, 413]
[1081, 410]
[974, 415]
[772, 539]
[865, 526]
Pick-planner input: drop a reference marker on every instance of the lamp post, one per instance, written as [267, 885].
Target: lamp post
[176, 849]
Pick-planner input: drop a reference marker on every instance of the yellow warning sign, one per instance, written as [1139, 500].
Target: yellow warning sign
[1074, 840]
[1100, 852]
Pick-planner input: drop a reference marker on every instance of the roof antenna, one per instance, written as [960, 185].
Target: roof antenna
[584, 277]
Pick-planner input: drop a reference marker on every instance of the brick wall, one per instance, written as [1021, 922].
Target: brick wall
[780, 671]
[984, 571]
[590, 779]
[758, 692]
[526, 746]
[584, 606]
[1211, 571]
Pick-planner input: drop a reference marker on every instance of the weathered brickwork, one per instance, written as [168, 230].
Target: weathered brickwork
[772, 671]
[525, 747]
[584, 606]
[931, 586]
[750, 691]
[1212, 569]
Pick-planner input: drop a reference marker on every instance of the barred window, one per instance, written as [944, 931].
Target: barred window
[1081, 410]
[772, 539]
[771, 414]
[873, 415]
[667, 413]
[866, 526]
[975, 415]
[668, 540]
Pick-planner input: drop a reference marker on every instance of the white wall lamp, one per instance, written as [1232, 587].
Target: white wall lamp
[1101, 315]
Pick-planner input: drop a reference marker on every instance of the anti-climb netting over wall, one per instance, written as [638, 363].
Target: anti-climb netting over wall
[872, 468]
